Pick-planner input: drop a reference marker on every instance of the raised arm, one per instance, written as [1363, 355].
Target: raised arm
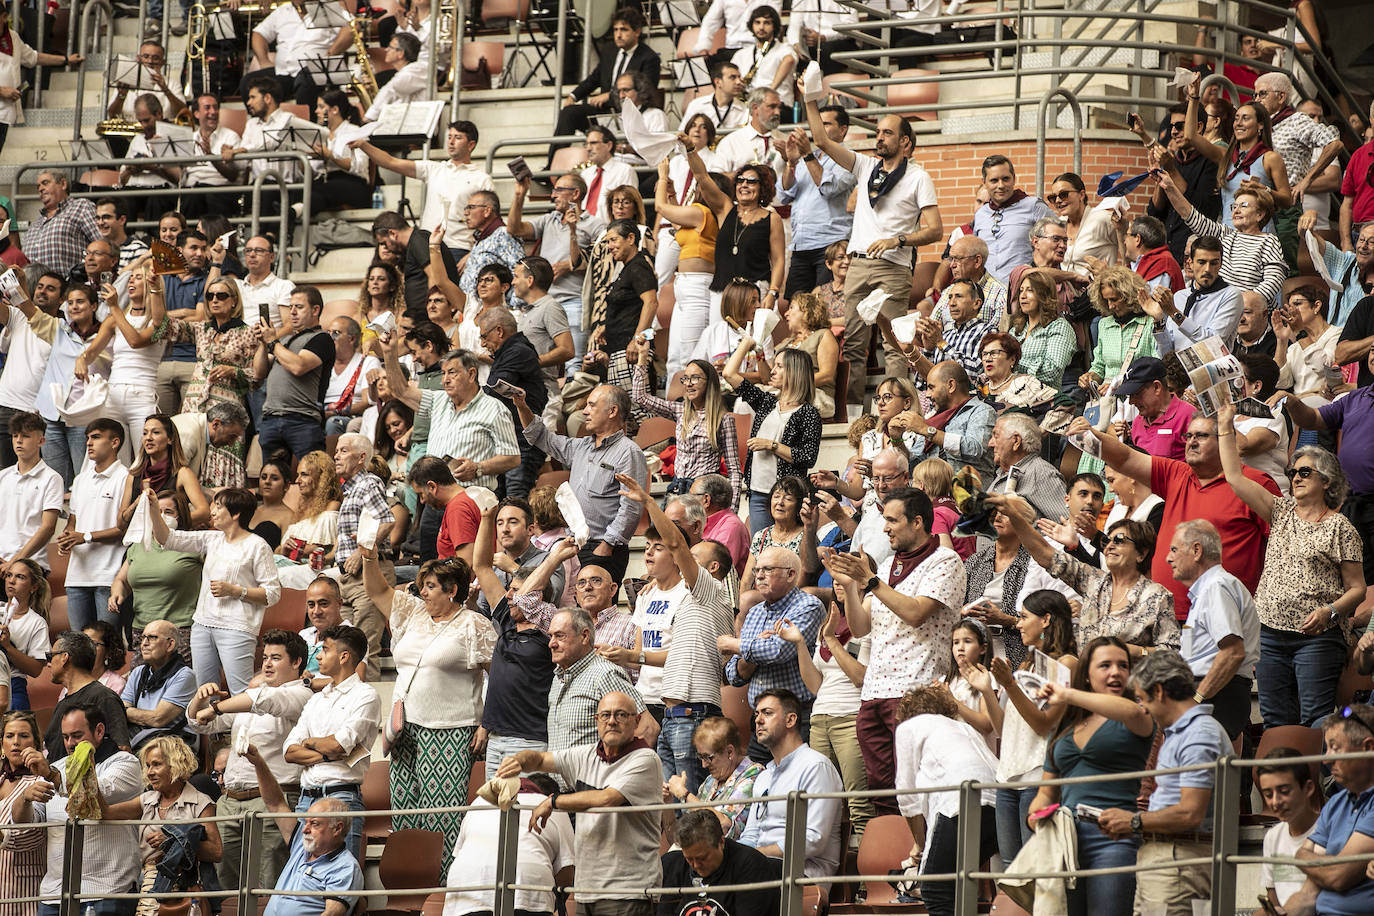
[1260, 500]
[1206, 148]
[711, 195]
[1021, 515]
[1118, 455]
[493, 589]
[669, 533]
[731, 373]
[844, 157]
[1127, 712]
[688, 216]
[375, 583]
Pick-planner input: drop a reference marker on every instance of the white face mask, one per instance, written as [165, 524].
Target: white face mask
[171, 519]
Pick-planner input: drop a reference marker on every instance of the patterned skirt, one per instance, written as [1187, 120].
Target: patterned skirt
[430, 768]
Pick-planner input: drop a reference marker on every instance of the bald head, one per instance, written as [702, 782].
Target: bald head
[617, 717]
[323, 833]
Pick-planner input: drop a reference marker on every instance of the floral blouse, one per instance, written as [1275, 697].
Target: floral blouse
[739, 785]
[230, 344]
[1302, 565]
[1147, 620]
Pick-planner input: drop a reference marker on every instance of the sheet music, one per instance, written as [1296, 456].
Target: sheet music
[88, 150]
[324, 14]
[677, 14]
[691, 72]
[220, 26]
[330, 71]
[299, 136]
[409, 118]
[127, 72]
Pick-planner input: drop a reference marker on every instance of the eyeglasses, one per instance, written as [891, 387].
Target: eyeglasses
[1055, 239]
[1176, 127]
[991, 352]
[567, 188]
[1304, 472]
[336, 334]
[485, 279]
[746, 179]
[590, 582]
[1119, 538]
[692, 379]
[220, 296]
[49, 656]
[706, 758]
[887, 396]
[1265, 93]
[617, 715]
[889, 478]
[476, 207]
[257, 251]
[150, 637]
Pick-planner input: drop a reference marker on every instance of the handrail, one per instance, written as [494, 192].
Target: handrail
[91, 6]
[1072, 100]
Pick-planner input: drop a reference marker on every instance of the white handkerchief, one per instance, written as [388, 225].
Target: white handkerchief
[869, 306]
[765, 320]
[140, 530]
[1108, 204]
[5, 229]
[812, 87]
[223, 240]
[1319, 262]
[904, 328]
[368, 527]
[652, 146]
[1183, 77]
[484, 498]
[572, 513]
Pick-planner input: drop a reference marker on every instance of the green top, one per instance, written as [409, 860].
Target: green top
[165, 584]
[1114, 351]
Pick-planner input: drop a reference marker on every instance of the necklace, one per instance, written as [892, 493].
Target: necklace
[740, 226]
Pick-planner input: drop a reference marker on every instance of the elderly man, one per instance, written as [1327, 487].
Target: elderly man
[793, 766]
[101, 258]
[1354, 270]
[109, 854]
[755, 141]
[1178, 824]
[616, 771]
[757, 657]
[213, 443]
[1345, 826]
[362, 492]
[1049, 243]
[332, 738]
[581, 677]
[723, 523]
[705, 857]
[1307, 146]
[967, 258]
[159, 690]
[818, 191]
[891, 472]
[415, 248]
[514, 361]
[1015, 444]
[593, 460]
[1164, 417]
[492, 243]
[265, 714]
[1148, 254]
[910, 606]
[1004, 222]
[73, 657]
[58, 235]
[293, 360]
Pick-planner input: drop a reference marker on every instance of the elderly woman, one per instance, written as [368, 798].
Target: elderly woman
[224, 350]
[1005, 387]
[1125, 332]
[784, 530]
[1313, 580]
[731, 774]
[808, 330]
[238, 583]
[167, 767]
[1047, 340]
[831, 293]
[23, 773]
[442, 651]
[1120, 601]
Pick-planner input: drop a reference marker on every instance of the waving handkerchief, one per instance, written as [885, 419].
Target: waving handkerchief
[572, 513]
[812, 87]
[1183, 78]
[652, 146]
[765, 320]
[484, 498]
[869, 306]
[904, 328]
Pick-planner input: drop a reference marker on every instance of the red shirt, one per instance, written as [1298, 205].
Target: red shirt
[13, 256]
[1243, 533]
[1162, 437]
[459, 527]
[1356, 186]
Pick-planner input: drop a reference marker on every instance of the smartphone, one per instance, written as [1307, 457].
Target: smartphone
[520, 169]
[106, 277]
[1045, 812]
[1087, 813]
[610, 467]
[1013, 478]
[264, 313]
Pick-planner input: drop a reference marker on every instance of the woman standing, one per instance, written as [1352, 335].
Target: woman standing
[224, 350]
[160, 584]
[1091, 234]
[1125, 332]
[808, 325]
[785, 436]
[238, 582]
[1313, 580]
[1249, 160]
[442, 651]
[344, 185]
[381, 292]
[705, 429]
[162, 465]
[24, 627]
[751, 244]
[167, 767]
[23, 776]
[64, 446]
[14, 56]
[1133, 500]
[1047, 340]
[837, 261]
[1104, 730]
[695, 240]
[631, 303]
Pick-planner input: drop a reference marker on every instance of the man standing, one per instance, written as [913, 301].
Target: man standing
[491, 242]
[755, 141]
[58, 235]
[28, 515]
[93, 539]
[184, 294]
[1207, 306]
[895, 210]
[593, 94]
[514, 548]
[706, 857]
[336, 725]
[73, 657]
[263, 716]
[581, 677]
[448, 184]
[454, 534]
[1199, 182]
[722, 104]
[1225, 643]
[593, 460]
[962, 424]
[362, 492]
[1307, 146]
[110, 219]
[159, 690]
[1015, 445]
[1178, 824]
[1164, 417]
[1345, 826]
[767, 60]
[109, 854]
[295, 361]
[263, 104]
[296, 42]
[415, 248]
[25, 364]
[618, 770]
[910, 607]
[793, 766]
[1004, 222]
[1354, 270]
[723, 523]
[818, 190]
[544, 320]
[261, 288]
[211, 137]
[515, 362]
[602, 172]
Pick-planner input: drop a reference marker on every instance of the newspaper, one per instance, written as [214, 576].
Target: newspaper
[1043, 670]
[10, 290]
[1213, 373]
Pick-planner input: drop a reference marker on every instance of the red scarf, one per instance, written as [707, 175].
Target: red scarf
[1157, 261]
[842, 633]
[7, 43]
[904, 563]
[634, 745]
[488, 229]
[1016, 197]
[1240, 165]
[1282, 115]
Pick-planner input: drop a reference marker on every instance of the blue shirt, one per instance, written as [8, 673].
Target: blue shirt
[178, 689]
[819, 214]
[183, 294]
[803, 770]
[1219, 605]
[1195, 738]
[1007, 233]
[966, 438]
[1342, 815]
[776, 658]
[1216, 311]
[1343, 303]
[337, 871]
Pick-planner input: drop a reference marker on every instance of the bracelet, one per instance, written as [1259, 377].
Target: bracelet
[243, 592]
[1225, 434]
[1198, 697]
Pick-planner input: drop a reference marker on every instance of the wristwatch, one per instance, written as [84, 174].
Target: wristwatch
[86, 537]
[809, 157]
[641, 657]
[1136, 825]
[871, 584]
[901, 240]
[553, 800]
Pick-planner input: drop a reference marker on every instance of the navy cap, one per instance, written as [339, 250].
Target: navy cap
[1142, 372]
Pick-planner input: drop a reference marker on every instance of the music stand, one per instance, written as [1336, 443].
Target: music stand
[294, 138]
[407, 123]
[126, 72]
[323, 14]
[691, 72]
[678, 14]
[172, 146]
[330, 71]
[219, 26]
[88, 150]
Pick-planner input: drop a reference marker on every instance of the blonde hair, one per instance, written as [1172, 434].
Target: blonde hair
[181, 763]
[812, 309]
[713, 406]
[1127, 283]
[798, 378]
[40, 595]
[935, 477]
[860, 425]
[327, 487]
[1045, 294]
[233, 288]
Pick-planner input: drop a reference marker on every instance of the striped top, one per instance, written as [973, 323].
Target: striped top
[1248, 262]
[696, 456]
[692, 670]
[478, 430]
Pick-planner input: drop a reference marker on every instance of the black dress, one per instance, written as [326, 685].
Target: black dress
[743, 251]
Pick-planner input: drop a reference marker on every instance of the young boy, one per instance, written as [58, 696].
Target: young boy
[93, 538]
[32, 495]
[1291, 793]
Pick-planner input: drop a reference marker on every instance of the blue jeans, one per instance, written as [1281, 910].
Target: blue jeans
[296, 434]
[351, 796]
[499, 747]
[19, 692]
[86, 604]
[64, 449]
[675, 747]
[759, 515]
[336, 426]
[1298, 675]
[521, 478]
[1108, 895]
[1013, 807]
[98, 907]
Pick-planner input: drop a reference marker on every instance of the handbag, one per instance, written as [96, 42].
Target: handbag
[396, 722]
[182, 907]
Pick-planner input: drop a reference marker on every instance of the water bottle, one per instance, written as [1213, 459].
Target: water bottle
[195, 907]
[378, 199]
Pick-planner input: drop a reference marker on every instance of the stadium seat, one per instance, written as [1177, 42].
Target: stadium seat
[42, 691]
[376, 793]
[1306, 741]
[834, 86]
[287, 614]
[337, 308]
[411, 859]
[567, 159]
[841, 414]
[734, 703]
[57, 617]
[913, 95]
[653, 430]
[233, 118]
[885, 843]
[493, 52]
[57, 569]
[552, 478]
[688, 38]
[501, 12]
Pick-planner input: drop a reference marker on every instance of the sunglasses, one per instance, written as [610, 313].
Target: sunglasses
[1058, 196]
[219, 296]
[746, 179]
[1304, 473]
[1119, 538]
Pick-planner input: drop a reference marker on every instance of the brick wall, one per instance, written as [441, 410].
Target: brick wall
[954, 166]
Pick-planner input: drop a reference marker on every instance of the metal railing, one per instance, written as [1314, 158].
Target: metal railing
[1223, 858]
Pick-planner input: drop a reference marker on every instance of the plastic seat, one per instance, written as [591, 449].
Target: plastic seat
[494, 52]
[233, 118]
[653, 430]
[496, 12]
[885, 843]
[376, 792]
[913, 95]
[42, 691]
[734, 703]
[1306, 741]
[567, 159]
[834, 86]
[287, 614]
[57, 569]
[58, 622]
[100, 178]
[552, 478]
[339, 308]
[688, 39]
[412, 858]
[304, 112]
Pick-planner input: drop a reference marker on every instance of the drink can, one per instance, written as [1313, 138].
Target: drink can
[317, 559]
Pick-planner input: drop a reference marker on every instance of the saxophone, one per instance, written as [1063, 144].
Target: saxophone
[364, 82]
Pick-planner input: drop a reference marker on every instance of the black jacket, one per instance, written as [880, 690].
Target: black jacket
[740, 865]
[600, 79]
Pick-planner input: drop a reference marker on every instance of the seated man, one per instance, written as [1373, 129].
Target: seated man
[410, 77]
[159, 690]
[706, 857]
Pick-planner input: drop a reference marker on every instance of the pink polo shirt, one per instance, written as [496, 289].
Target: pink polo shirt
[1162, 437]
[725, 526]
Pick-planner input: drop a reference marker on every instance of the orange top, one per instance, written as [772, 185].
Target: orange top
[699, 243]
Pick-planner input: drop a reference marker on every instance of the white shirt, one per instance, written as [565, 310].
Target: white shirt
[448, 185]
[838, 695]
[295, 42]
[95, 507]
[27, 358]
[273, 292]
[28, 631]
[654, 611]
[338, 147]
[539, 857]
[246, 562]
[338, 381]
[135, 366]
[348, 712]
[409, 84]
[817, 15]
[1272, 461]
[140, 147]
[439, 665]
[204, 173]
[27, 496]
[904, 656]
[255, 137]
[132, 98]
[898, 211]
[747, 145]
[613, 174]
[275, 712]
[764, 62]
[109, 857]
[933, 750]
[734, 114]
[10, 75]
[731, 15]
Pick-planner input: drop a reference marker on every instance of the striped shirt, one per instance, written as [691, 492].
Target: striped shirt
[696, 456]
[961, 344]
[480, 429]
[691, 673]
[994, 301]
[574, 694]
[1248, 262]
[1046, 351]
